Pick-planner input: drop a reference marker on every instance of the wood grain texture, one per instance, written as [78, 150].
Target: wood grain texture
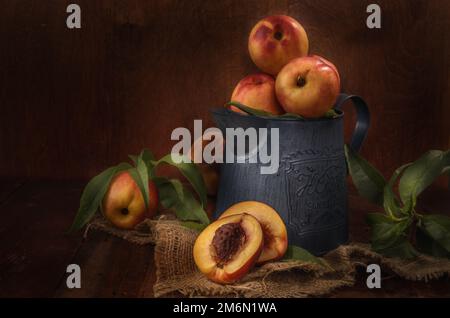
[34, 247]
[9, 186]
[112, 267]
[76, 101]
[34, 251]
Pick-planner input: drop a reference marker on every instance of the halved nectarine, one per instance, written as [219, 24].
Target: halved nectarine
[274, 230]
[228, 248]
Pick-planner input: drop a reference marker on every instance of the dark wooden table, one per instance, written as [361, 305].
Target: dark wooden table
[35, 251]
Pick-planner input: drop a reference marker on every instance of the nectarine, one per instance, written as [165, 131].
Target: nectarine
[274, 230]
[308, 86]
[257, 91]
[227, 249]
[324, 60]
[123, 204]
[276, 40]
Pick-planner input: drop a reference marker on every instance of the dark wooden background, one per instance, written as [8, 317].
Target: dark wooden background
[76, 101]
[73, 102]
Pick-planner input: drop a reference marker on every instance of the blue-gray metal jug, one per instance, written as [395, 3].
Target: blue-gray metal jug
[309, 190]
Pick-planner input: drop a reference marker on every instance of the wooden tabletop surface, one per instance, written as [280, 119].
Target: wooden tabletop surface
[35, 250]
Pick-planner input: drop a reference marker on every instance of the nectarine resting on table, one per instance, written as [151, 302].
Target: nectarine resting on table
[308, 86]
[274, 230]
[123, 204]
[227, 249]
[257, 91]
[276, 40]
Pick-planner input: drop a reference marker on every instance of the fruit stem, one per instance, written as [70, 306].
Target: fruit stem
[301, 81]
[278, 35]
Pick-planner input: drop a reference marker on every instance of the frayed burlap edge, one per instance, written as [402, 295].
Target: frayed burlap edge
[177, 272]
[143, 234]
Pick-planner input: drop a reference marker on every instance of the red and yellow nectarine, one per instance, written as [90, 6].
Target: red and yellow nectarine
[257, 91]
[276, 40]
[227, 249]
[123, 204]
[274, 230]
[308, 86]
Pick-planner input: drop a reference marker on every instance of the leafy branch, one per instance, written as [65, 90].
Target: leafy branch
[171, 192]
[401, 231]
[332, 113]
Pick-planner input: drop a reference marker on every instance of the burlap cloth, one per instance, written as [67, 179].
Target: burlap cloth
[177, 272]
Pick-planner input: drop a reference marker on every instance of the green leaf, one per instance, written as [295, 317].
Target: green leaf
[93, 194]
[148, 158]
[389, 237]
[385, 230]
[437, 227]
[140, 176]
[400, 248]
[191, 208]
[368, 181]
[390, 200]
[186, 208]
[249, 110]
[143, 172]
[261, 113]
[297, 253]
[141, 168]
[147, 155]
[167, 195]
[133, 158]
[289, 116]
[176, 184]
[427, 245]
[194, 226]
[420, 174]
[332, 113]
[190, 171]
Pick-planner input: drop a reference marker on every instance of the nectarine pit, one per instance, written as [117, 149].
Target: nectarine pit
[226, 242]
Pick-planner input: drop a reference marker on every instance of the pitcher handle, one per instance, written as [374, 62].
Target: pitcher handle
[362, 119]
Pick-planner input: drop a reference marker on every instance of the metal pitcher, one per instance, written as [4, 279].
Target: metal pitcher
[309, 189]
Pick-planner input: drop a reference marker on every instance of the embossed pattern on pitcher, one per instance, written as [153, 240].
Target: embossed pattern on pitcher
[315, 186]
